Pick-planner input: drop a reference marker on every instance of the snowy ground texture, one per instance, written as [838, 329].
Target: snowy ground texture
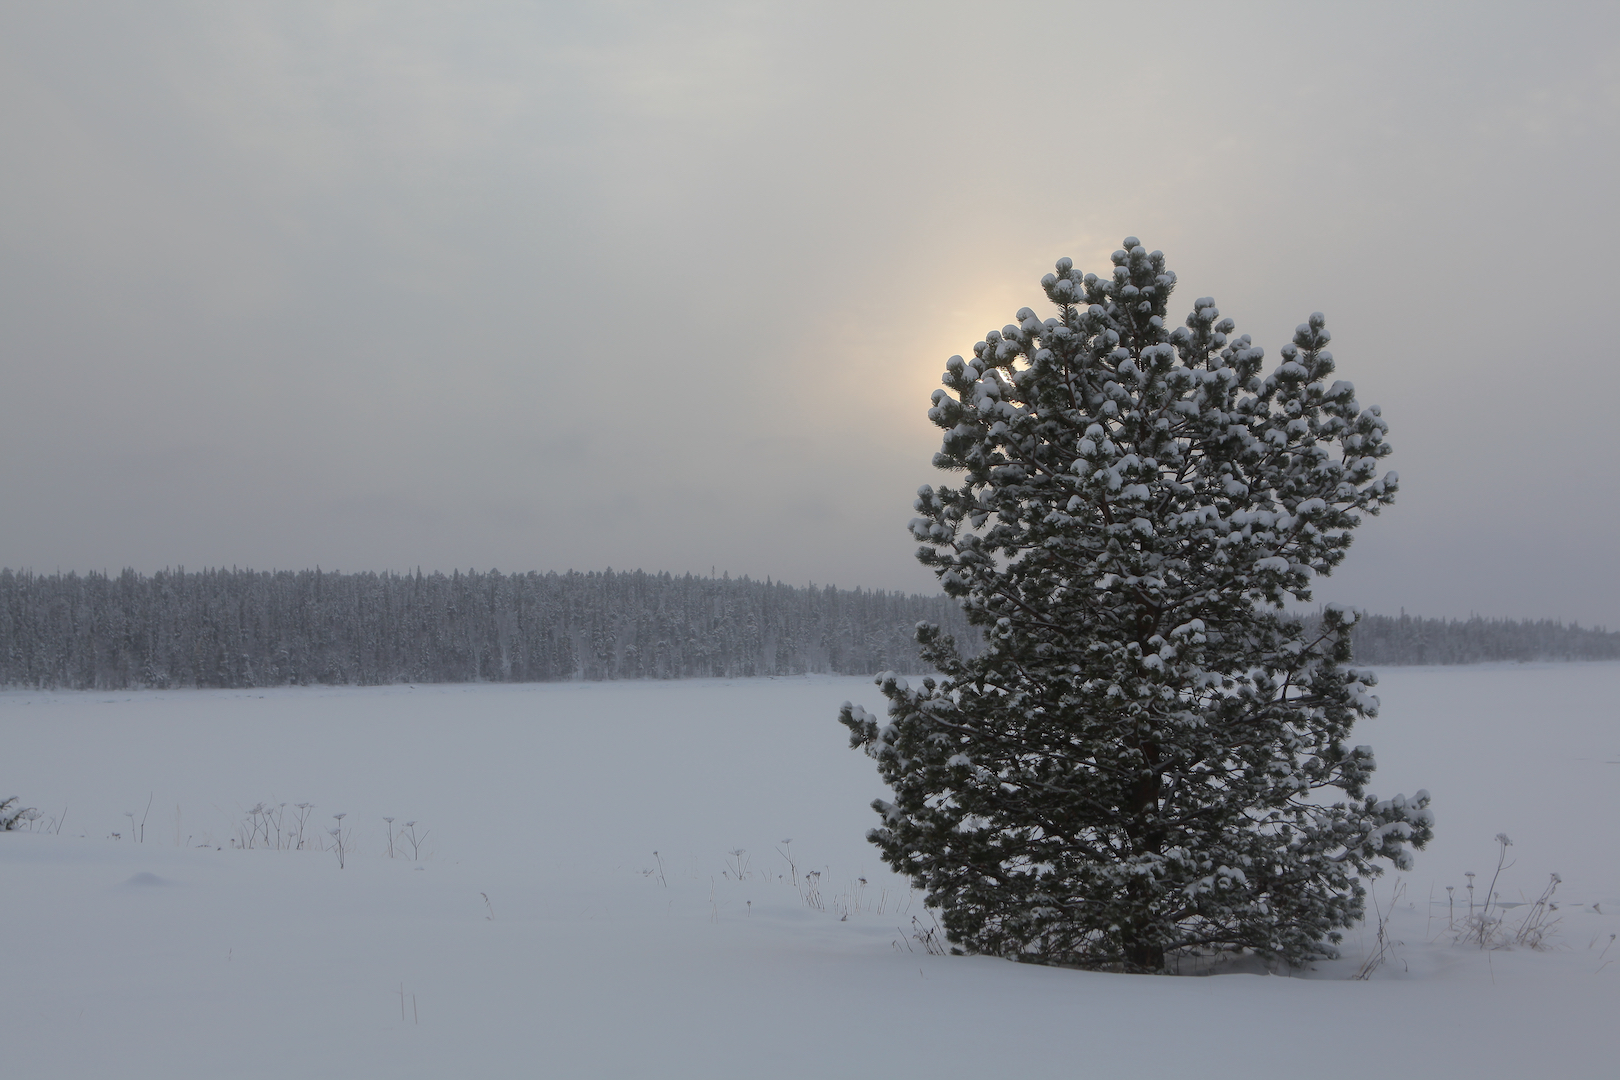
[535, 933]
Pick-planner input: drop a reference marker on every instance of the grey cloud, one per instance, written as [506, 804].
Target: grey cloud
[668, 285]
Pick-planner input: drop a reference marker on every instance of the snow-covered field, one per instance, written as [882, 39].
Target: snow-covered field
[536, 933]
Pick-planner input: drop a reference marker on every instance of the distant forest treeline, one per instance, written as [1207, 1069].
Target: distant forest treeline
[1396, 640]
[240, 628]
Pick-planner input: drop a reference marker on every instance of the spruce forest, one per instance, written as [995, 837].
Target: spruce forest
[239, 628]
[242, 628]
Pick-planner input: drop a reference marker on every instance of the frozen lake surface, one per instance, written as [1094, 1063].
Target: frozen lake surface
[534, 932]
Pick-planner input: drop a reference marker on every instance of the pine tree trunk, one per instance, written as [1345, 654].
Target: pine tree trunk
[1144, 956]
[1137, 940]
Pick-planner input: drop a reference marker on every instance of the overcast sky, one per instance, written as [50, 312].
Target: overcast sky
[667, 285]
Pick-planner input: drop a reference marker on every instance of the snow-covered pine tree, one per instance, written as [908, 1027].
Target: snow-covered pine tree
[1136, 765]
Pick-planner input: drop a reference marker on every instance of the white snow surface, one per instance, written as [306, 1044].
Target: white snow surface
[535, 935]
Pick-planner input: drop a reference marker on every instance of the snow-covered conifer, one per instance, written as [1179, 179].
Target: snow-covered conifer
[1148, 757]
